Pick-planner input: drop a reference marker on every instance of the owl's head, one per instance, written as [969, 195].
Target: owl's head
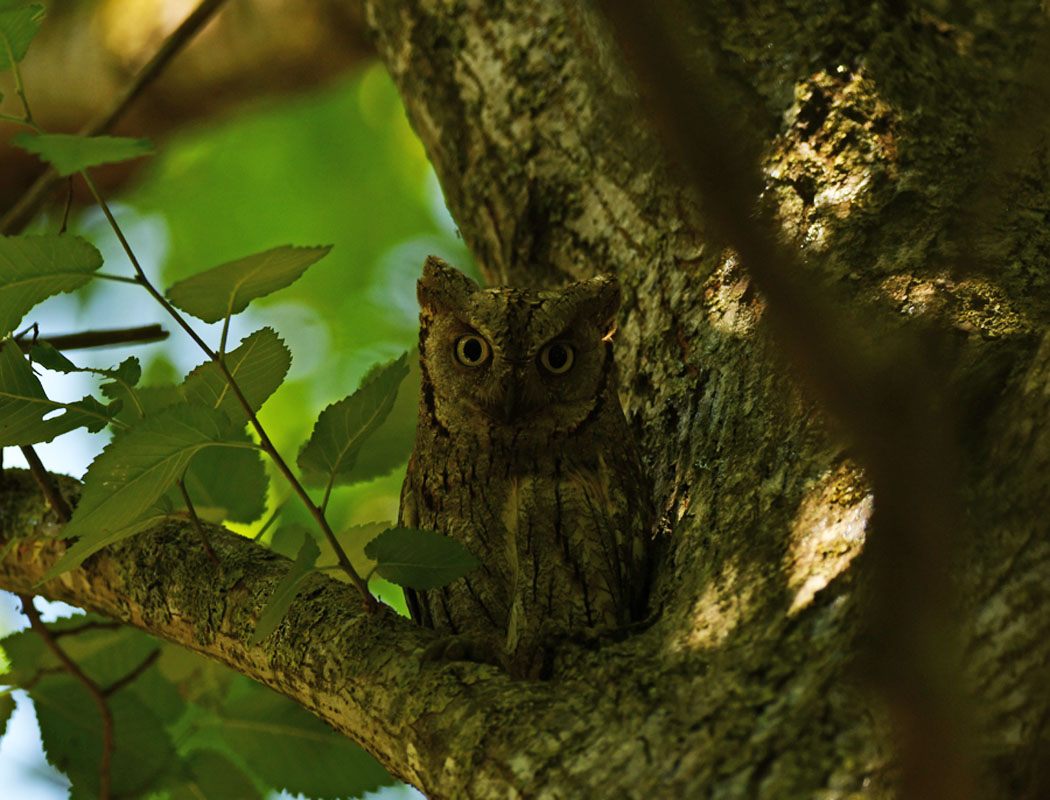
[531, 362]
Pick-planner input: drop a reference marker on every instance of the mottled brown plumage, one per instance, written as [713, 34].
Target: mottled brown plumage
[522, 453]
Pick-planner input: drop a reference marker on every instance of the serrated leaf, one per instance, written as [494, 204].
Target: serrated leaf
[127, 372]
[134, 471]
[141, 401]
[419, 559]
[286, 590]
[18, 26]
[24, 406]
[212, 775]
[391, 444]
[32, 268]
[71, 731]
[227, 289]
[69, 153]
[343, 427]
[258, 365]
[291, 749]
[226, 484]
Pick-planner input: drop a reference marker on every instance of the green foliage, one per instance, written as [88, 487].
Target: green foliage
[226, 483]
[184, 724]
[19, 23]
[389, 444]
[419, 559]
[210, 774]
[28, 416]
[258, 365]
[225, 290]
[293, 750]
[233, 737]
[123, 485]
[32, 268]
[71, 730]
[329, 457]
[70, 154]
[287, 590]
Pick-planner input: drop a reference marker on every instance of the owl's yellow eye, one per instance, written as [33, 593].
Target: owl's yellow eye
[557, 358]
[472, 350]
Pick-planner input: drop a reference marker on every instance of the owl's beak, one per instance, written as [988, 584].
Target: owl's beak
[511, 402]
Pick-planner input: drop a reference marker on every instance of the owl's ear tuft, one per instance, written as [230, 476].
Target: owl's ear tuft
[603, 298]
[443, 286]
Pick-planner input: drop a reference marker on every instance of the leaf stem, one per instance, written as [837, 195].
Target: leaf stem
[106, 276]
[20, 88]
[264, 440]
[47, 484]
[96, 692]
[197, 522]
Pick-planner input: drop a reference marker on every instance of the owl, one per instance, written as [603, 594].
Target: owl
[523, 455]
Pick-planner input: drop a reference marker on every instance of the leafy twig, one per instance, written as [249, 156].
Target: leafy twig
[132, 676]
[96, 692]
[264, 439]
[19, 214]
[87, 626]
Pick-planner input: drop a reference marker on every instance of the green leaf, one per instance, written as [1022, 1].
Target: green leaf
[343, 427]
[258, 365]
[69, 153]
[24, 406]
[32, 268]
[226, 484]
[127, 371]
[212, 775]
[391, 444]
[227, 289]
[291, 749]
[127, 479]
[71, 731]
[18, 26]
[141, 401]
[419, 559]
[286, 590]
[7, 707]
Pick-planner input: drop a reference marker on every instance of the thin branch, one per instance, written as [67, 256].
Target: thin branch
[100, 338]
[47, 484]
[87, 626]
[19, 215]
[197, 523]
[96, 693]
[106, 276]
[132, 676]
[270, 520]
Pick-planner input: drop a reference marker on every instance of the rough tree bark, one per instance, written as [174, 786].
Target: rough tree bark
[744, 686]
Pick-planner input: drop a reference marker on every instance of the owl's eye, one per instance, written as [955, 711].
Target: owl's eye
[472, 350]
[557, 358]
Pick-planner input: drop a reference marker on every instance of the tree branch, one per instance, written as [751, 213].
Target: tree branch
[18, 216]
[100, 338]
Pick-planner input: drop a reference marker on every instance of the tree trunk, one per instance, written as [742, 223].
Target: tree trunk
[744, 684]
